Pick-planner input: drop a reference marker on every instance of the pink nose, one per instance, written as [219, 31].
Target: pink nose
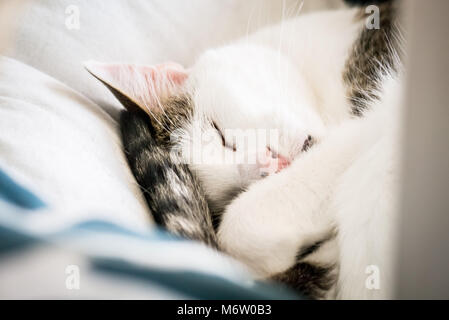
[282, 163]
[273, 163]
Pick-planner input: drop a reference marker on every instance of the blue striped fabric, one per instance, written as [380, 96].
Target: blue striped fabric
[12, 192]
[18, 204]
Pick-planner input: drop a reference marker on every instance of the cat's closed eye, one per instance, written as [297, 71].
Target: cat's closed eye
[223, 139]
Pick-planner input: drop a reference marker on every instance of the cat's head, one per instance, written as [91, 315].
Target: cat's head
[239, 114]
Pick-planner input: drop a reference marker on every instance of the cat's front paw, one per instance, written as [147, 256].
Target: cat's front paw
[266, 163]
[260, 228]
[275, 220]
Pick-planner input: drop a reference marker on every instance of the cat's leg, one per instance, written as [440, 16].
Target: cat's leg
[366, 207]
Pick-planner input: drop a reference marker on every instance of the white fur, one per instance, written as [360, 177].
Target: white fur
[366, 202]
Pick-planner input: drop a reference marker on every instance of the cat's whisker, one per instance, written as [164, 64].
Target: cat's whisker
[249, 23]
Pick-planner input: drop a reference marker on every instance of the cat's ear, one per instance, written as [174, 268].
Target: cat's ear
[140, 87]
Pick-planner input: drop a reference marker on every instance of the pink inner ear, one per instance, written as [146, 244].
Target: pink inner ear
[159, 80]
[173, 72]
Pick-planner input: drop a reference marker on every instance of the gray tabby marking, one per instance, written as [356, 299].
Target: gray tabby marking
[173, 194]
[311, 280]
[372, 55]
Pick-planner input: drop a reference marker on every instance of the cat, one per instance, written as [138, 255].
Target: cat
[331, 88]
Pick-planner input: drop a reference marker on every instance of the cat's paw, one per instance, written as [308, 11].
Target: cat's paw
[267, 226]
[266, 163]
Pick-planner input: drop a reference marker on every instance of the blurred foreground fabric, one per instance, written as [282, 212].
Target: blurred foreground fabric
[43, 256]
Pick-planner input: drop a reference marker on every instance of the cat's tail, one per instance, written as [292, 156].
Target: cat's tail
[173, 194]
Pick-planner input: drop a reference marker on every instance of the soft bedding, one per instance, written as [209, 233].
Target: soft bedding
[98, 259]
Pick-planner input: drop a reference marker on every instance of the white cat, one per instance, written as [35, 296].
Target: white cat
[330, 205]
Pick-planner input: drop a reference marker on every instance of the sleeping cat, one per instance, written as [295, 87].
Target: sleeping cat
[315, 208]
